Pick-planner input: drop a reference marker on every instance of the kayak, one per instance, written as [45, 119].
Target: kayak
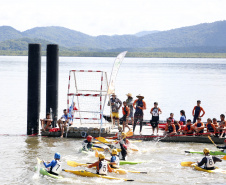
[211, 152]
[90, 174]
[44, 172]
[217, 170]
[130, 162]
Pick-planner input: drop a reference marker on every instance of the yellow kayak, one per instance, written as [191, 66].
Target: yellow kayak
[217, 170]
[90, 174]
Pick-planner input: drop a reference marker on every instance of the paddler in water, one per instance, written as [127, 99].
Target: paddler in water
[102, 165]
[123, 142]
[55, 166]
[223, 147]
[170, 128]
[114, 161]
[208, 161]
[87, 144]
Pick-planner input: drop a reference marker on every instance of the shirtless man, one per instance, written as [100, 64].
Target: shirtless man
[46, 122]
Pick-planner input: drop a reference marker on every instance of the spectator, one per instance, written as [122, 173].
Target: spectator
[197, 111]
[46, 122]
[183, 117]
[198, 126]
[216, 125]
[155, 111]
[210, 127]
[222, 125]
[188, 128]
[171, 117]
[64, 122]
[170, 128]
[178, 127]
[129, 102]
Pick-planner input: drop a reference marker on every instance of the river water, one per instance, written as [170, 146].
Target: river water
[175, 84]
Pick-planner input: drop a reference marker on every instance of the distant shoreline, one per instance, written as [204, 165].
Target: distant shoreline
[114, 54]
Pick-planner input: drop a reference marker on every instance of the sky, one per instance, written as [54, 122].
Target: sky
[110, 17]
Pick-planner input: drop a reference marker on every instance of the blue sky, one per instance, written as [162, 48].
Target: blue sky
[109, 17]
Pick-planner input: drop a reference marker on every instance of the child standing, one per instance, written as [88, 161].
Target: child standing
[155, 111]
[125, 112]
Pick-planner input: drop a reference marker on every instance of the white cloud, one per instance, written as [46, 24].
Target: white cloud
[108, 17]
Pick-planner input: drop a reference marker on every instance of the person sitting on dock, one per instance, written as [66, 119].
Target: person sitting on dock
[46, 122]
[178, 127]
[55, 165]
[155, 111]
[216, 125]
[208, 161]
[196, 112]
[198, 126]
[102, 166]
[170, 128]
[188, 128]
[126, 113]
[222, 126]
[210, 127]
[63, 122]
[87, 144]
[115, 104]
[129, 102]
[139, 105]
[172, 117]
[114, 161]
[223, 147]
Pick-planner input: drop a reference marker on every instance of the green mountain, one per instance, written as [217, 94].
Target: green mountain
[206, 37]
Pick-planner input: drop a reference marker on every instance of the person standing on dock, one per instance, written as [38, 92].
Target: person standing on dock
[115, 106]
[129, 102]
[125, 112]
[196, 112]
[155, 111]
[139, 105]
[46, 122]
[63, 122]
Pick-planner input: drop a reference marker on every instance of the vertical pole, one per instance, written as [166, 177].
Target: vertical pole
[52, 70]
[34, 87]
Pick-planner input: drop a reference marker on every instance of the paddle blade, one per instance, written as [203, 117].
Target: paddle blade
[118, 150]
[129, 133]
[102, 139]
[96, 153]
[224, 157]
[138, 172]
[75, 164]
[39, 160]
[187, 163]
[187, 152]
[120, 171]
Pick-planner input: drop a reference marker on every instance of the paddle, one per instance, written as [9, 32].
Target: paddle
[212, 141]
[75, 164]
[39, 160]
[224, 157]
[187, 163]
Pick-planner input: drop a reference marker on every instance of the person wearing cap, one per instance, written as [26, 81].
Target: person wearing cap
[55, 165]
[102, 166]
[208, 161]
[115, 104]
[170, 128]
[87, 144]
[196, 112]
[222, 126]
[129, 102]
[139, 105]
[223, 147]
[155, 111]
[114, 161]
[198, 127]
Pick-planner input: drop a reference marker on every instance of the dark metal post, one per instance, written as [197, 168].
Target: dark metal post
[34, 87]
[52, 70]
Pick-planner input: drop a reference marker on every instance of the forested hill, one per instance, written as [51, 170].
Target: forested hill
[206, 37]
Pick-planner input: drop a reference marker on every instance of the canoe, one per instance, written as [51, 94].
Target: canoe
[44, 172]
[85, 173]
[211, 152]
[217, 170]
[130, 162]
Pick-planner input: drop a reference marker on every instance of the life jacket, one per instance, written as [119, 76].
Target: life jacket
[87, 145]
[199, 124]
[116, 160]
[210, 162]
[103, 167]
[125, 112]
[170, 128]
[57, 168]
[188, 127]
[210, 127]
[197, 111]
[177, 127]
[140, 104]
[155, 112]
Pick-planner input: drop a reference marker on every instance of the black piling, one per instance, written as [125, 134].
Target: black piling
[34, 88]
[52, 70]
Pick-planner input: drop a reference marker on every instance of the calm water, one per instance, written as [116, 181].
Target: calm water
[175, 83]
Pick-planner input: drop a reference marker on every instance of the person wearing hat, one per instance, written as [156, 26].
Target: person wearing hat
[54, 165]
[101, 165]
[114, 161]
[208, 161]
[223, 147]
[196, 112]
[129, 102]
[115, 104]
[139, 105]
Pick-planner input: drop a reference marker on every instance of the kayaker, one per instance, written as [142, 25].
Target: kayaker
[55, 165]
[210, 127]
[208, 161]
[155, 111]
[123, 144]
[223, 147]
[188, 128]
[196, 112]
[119, 133]
[87, 144]
[222, 126]
[114, 161]
[126, 113]
[64, 121]
[198, 126]
[102, 165]
[129, 102]
[170, 128]
[139, 105]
